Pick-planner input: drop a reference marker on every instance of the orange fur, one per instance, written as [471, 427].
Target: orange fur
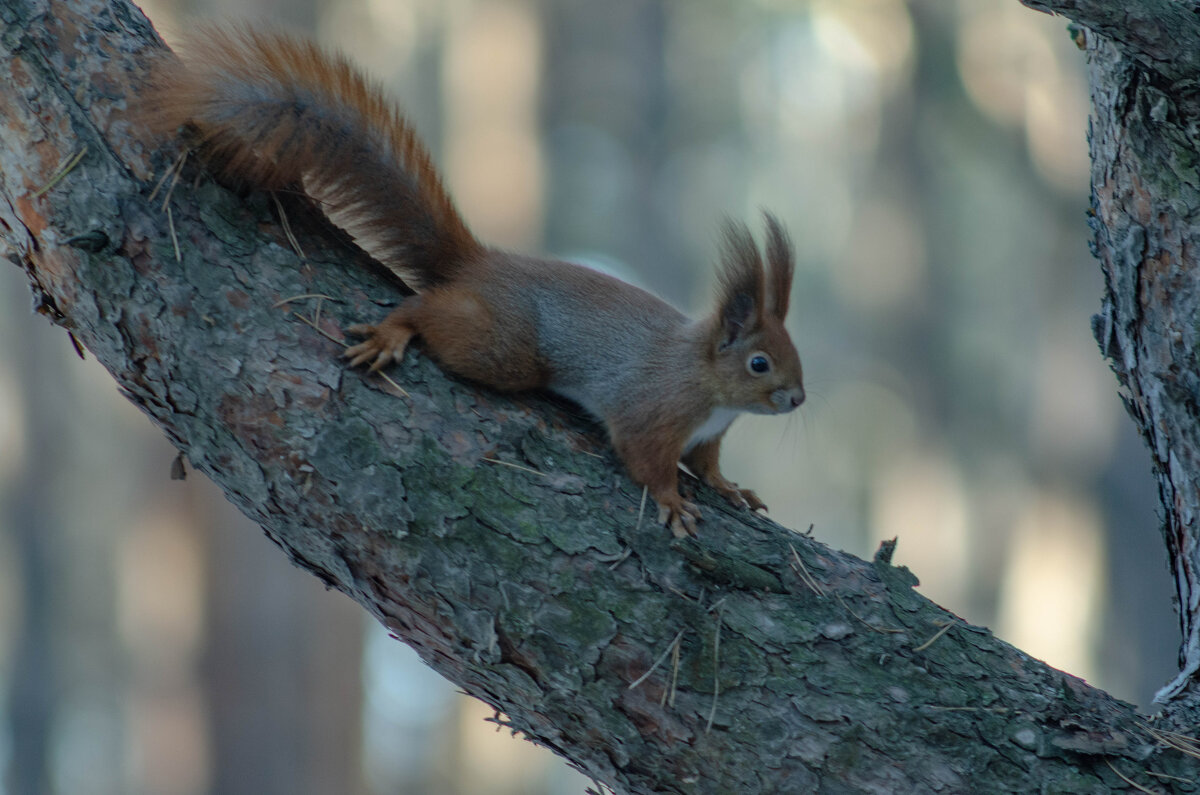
[272, 112]
[703, 460]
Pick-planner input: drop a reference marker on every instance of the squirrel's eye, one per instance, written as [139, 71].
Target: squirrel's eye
[758, 364]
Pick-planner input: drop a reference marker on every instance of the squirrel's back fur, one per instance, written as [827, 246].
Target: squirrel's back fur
[277, 111]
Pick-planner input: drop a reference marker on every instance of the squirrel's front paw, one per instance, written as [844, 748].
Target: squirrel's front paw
[752, 501]
[741, 498]
[678, 514]
[385, 344]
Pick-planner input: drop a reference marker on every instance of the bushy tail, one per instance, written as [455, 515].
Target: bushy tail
[274, 111]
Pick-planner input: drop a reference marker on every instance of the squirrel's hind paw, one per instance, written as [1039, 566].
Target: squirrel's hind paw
[385, 344]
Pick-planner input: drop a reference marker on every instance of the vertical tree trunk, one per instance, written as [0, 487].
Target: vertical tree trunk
[596, 96]
[36, 533]
[282, 668]
[1145, 148]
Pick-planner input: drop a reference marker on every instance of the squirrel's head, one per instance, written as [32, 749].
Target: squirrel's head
[754, 359]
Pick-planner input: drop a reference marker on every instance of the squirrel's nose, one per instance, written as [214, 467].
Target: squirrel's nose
[787, 399]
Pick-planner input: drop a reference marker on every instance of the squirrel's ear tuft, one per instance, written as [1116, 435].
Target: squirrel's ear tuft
[781, 259]
[743, 284]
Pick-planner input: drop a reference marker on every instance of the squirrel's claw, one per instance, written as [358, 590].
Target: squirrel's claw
[740, 498]
[681, 517]
[384, 344]
[748, 499]
[364, 352]
[757, 505]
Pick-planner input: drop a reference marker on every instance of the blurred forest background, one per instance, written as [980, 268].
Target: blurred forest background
[929, 157]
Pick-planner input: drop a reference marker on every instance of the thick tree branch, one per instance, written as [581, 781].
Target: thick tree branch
[1164, 35]
[499, 537]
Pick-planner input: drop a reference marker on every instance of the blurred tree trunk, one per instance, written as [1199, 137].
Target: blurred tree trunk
[604, 100]
[282, 668]
[494, 535]
[36, 532]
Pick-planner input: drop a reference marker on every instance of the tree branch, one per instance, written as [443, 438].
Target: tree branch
[499, 537]
[1164, 35]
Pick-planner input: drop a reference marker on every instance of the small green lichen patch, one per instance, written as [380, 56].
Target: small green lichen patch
[338, 448]
[487, 552]
[438, 489]
[577, 531]
[500, 510]
[580, 626]
[630, 607]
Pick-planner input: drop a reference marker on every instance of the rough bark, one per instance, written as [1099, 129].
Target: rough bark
[497, 536]
[1145, 150]
[1162, 35]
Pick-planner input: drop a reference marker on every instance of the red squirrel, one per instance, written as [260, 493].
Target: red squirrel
[273, 111]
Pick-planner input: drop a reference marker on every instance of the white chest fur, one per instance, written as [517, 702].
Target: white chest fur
[714, 426]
